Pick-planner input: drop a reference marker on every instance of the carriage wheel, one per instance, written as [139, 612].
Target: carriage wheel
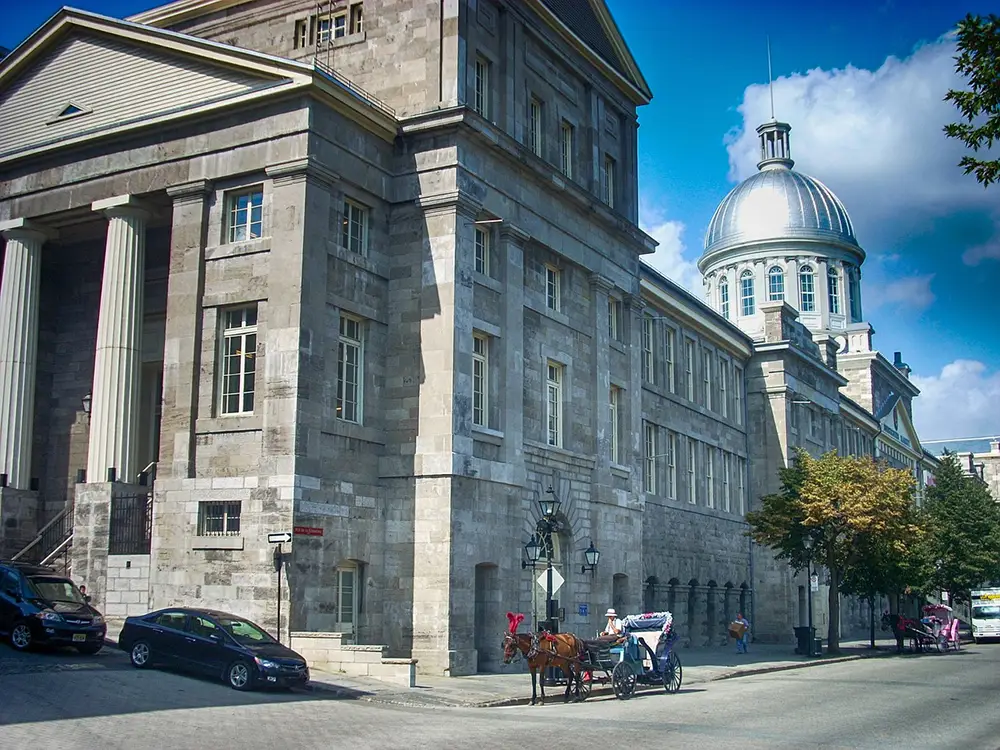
[586, 679]
[672, 673]
[623, 680]
[942, 644]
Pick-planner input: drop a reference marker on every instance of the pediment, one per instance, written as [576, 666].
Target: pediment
[896, 422]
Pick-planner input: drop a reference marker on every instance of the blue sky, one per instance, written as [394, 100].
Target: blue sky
[861, 84]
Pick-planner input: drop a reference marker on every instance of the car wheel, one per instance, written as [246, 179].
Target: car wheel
[140, 654]
[239, 676]
[90, 649]
[20, 636]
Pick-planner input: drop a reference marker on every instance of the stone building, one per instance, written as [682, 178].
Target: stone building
[979, 457]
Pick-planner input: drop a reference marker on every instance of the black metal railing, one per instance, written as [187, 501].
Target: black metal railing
[131, 525]
[348, 85]
[51, 537]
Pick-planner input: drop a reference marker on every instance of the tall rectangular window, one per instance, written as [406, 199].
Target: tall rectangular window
[649, 459]
[614, 319]
[480, 379]
[724, 298]
[692, 468]
[709, 475]
[482, 252]
[807, 289]
[239, 360]
[726, 499]
[741, 468]
[833, 286]
[301, 34]
[669, 341]
[535, 126]
[354, 234]
[246, 219]
[614, 397]
[672, 465]
[723, 386]
[347, 599]
[689, 369]
[350, 368]
[747, 305]
[552, 290]
[481, 102]
[648, 369]
[553, 403]
[608, 181]
[566, 149]
[706, 378]
[738, 394]
[357, 18]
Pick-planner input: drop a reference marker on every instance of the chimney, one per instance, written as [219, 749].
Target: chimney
[899, 364]
[995, 445]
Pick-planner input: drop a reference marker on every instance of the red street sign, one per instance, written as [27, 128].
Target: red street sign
[308, 531]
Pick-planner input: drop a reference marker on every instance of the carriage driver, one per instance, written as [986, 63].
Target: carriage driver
[614, 626]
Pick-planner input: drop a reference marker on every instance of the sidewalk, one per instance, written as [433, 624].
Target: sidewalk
[513, 687]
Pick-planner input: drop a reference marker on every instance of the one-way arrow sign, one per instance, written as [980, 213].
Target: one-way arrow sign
[280, 538]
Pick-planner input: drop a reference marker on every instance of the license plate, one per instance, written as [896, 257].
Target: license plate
[79, 637]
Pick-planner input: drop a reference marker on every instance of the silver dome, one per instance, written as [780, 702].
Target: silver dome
[779, 204]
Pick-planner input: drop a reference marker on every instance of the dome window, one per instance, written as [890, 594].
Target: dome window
[747, 306]
[807, 289]
[854, 290]
[776, 284]
[724, 298]
[833, 286]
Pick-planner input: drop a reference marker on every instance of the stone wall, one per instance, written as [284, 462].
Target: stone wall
[127, 591]
[18, 520]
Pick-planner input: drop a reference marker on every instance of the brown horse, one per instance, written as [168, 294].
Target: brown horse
[562, 650]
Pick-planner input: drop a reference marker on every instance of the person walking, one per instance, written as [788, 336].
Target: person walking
[743, 642]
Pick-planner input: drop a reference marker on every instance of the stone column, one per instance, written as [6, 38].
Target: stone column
[114, 416]
[600, 287]
[634, 306]
[19, 290]
[512, 242]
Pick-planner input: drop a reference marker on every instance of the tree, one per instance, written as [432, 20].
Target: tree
[962, 548]
[846, 505]
[979, 61]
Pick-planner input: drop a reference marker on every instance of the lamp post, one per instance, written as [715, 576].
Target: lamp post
[808, 544]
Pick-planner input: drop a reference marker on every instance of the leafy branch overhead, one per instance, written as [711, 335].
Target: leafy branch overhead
[978, 60]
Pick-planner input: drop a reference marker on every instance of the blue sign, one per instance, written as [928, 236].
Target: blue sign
[582, 610]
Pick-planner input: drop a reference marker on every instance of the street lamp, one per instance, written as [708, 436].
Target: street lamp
[592, 555]
[808, 544]
[86, 404]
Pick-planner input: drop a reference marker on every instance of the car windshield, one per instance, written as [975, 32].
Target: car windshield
[245, 632]
[991, 612]
[57, 590]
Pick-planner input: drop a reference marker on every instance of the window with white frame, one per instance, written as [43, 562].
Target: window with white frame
[649, 459]
[775, 284]
[692, 467]
[807, 289]
[706, 377]
[302, 33]
[219, 518]
[482, 251]
[246, 217]
[672, 465]
[614, 398]
[741, 467]
[608, 181]
[553, 403]
[648, 369]
[350, 369]
[566, 149]
[615, 319]
[689, 368]
[710, 476]
[239, 360]
[481, 100]
[347, 598]
[726, 498]
[535, 126]
[553, 296]
[357, 19]
[833, 287]
[723, 386]
[480, 379]
[354, 235]
[854, 289]
[747, 306]
[331, 27]
[724, 298]
[738, 394]
[669, 341]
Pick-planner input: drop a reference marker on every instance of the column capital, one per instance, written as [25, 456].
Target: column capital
[13, 229]
[513, 233]
[458, 200]
[121, 205]
[634, 302]
[601, 283]
[190, 191]
[306, 168]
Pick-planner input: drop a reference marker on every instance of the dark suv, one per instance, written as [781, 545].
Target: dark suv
[39, 606]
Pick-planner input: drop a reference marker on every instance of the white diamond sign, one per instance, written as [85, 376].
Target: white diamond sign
[557, 580]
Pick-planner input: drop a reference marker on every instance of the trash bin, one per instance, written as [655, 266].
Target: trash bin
[817, 647]
[804, 637]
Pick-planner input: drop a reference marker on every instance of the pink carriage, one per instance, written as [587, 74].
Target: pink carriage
[940, 620]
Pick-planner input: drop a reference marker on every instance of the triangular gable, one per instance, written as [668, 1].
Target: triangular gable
[897, 423]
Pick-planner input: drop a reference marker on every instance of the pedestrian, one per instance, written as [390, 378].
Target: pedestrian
[743, 642]
[614, 625]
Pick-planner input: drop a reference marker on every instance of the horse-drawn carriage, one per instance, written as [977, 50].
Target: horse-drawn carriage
[937, 629]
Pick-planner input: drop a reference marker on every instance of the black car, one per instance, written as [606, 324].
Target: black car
[213, 643]
[39, 606]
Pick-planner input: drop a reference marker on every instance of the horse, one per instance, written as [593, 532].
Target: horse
[898, 624]
[562, 650]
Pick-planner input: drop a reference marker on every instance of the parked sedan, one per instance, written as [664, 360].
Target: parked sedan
[213, 643]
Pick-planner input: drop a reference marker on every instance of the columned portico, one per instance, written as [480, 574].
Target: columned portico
[19, 291]
[114, 424]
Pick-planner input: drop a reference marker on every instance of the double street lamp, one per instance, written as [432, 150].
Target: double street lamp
[808, 544]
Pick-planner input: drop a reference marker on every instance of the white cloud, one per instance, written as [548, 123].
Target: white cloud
[908, 291]
[976, 255]
[963, 400]
[672, 258]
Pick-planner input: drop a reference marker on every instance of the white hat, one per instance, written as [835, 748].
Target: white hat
[611, 613]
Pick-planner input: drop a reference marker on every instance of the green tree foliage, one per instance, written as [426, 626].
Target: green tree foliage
[979, 61]
[857, 513]
[961, 550]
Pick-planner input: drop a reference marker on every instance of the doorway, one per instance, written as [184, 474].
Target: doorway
[487, 620]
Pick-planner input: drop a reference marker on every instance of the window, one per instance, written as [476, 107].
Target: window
[566, 149]
[648, 371]
[239, 360]
[482, 91]
[710, 476]
[775, 284]
[613, 400]
[482, 252]
[332, 27]
[738, 394]
[614, 319]
[347, 599]
[350, 364]
[245, 215]
[833, 287]
[747, 307]
[724, 298]
[301, 34]
[608, 181]
[692, 468]
[669, 356]
[357, 19]
[671, 465]
[172, 620]
[553, 403]
[649, 460]
[726, 499]
[706, 377]
[535, 126]
[552, 295]
[218, 518]
[723, 386]
[806, 289]
[854, 289]
[741, 467]
[354, 236]
[689, 369]
[480, 379]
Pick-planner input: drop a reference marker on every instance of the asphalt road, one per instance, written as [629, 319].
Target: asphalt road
[61, 700]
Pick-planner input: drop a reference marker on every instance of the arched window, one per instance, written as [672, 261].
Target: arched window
[833, 287]
[746, 293]
[807, 289]
[776, 284]
[724, 298]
